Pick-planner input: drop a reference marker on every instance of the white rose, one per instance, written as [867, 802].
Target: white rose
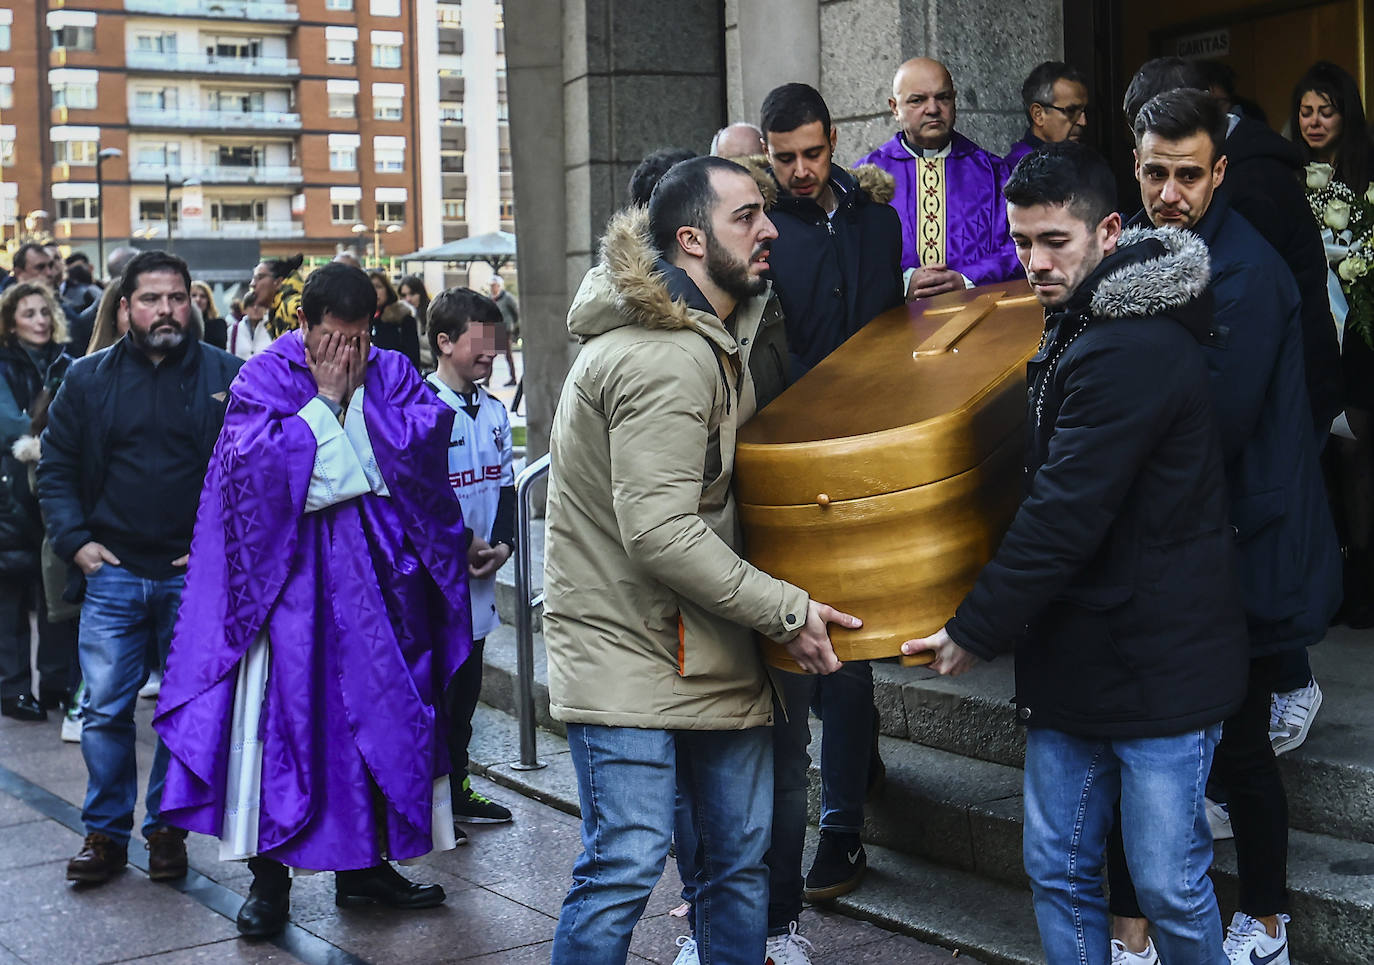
[1369, 195]
[1352, 268]
[1319, 175]
[1337, 215]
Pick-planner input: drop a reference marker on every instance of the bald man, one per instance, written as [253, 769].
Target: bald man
[954, 221]
[740, 139]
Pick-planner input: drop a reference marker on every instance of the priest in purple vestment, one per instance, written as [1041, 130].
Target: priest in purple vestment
[948, 192]
[326, 609]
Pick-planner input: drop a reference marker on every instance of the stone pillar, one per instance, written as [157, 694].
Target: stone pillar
[635, 75]
[779, 42]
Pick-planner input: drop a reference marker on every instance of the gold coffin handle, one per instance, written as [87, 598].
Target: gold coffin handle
[943, 338]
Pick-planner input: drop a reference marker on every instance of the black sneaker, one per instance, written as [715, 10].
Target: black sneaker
[469, 807]
[839, 867]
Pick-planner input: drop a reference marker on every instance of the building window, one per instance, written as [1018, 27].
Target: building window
[159, 155]
[456, 210]
[74, 96]
[76, 209]
[5, 36]
[386, 108]
[343, 158]
[386, 48]
[385, 8]
[392, 211]
[343, 105]
[236, 101]
[504, 162]
[389, 153]
[73, 38]
[237, 212]
[343, 212]
[451, 162]
[450, 112]
[156, 211]
[6, 96]
[502, 110]
[339, 51]
[338, 4]
[239, 156]
[507, 209]
[74, 152]
[164, 43]
[450, 16]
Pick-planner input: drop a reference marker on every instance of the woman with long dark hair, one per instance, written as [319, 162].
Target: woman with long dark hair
[393, 326]
[413, 293]
[1326, 117]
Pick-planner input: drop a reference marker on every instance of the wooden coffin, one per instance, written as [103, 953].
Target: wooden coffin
[883, 480]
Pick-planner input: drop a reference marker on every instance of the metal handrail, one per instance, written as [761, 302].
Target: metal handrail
[525, 602]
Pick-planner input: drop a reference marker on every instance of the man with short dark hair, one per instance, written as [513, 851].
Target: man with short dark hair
[326, 611]
[650, 613]
[836, 266]
[32, 263]
[1263, 184]
[124, 457]
[651, 169]
[1114, 582]
[1289, 558]
[1055, 98]
[954, 224]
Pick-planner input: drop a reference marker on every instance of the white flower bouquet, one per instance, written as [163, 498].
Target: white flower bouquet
[1349, 222]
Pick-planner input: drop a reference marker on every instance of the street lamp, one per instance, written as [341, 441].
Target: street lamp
[100, 159]
[377, 229]
[167, 200]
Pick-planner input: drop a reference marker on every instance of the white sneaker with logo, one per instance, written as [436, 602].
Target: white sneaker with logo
[1290, 717]
[687, 951]
[1218, 820]
[789, 949]
[1247, 942]
[153, 687]
[1121, 955]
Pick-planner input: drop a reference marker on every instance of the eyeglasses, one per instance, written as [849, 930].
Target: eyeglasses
[1071, 113]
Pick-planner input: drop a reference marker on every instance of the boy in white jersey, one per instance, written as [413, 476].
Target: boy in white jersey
[463, 329]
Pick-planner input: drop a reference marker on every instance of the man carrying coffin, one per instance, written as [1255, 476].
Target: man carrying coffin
[326, 609]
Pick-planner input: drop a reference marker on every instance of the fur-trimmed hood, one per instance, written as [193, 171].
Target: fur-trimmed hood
[632, 285]
[871, 180]
[1154, 271]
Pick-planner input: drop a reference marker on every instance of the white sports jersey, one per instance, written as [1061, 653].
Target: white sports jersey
[479, 464]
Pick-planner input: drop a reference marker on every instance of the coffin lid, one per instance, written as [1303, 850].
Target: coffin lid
[921, 393]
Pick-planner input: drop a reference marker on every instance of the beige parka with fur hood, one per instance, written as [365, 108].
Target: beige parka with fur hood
[649, 612]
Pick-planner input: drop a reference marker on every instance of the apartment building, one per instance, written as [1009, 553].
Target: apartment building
[462, 90]
[229, 129]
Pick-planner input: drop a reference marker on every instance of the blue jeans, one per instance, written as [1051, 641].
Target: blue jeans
[121, 617]
[627, 779]
[1072, 785]
[844, 703]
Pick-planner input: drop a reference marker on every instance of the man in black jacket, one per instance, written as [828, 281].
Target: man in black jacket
[124, 455]
[836, 264]
[1288, 555]
[1114, 582]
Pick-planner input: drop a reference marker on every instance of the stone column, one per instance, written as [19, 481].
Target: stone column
[779, 42]
[635, 75]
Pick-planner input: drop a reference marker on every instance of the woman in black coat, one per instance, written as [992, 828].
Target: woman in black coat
[394, 326]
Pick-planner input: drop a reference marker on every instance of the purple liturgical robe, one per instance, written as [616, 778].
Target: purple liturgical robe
[977, 240]
[365, 607]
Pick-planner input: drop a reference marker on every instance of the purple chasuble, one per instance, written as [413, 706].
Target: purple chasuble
[1020, 149]
[977, 240]
[366, 608]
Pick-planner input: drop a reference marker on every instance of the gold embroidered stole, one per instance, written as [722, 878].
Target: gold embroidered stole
[930, 210]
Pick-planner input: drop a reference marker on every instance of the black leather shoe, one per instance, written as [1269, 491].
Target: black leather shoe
[23, 707]
[265, 913]
[383, 885]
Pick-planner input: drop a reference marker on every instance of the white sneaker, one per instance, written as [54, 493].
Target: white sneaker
[789, 949]
[1247, 943]
[1290, 717]
[153, 687]
[687, 951]
[1121, 955]
[1219, 820]
[71, 726]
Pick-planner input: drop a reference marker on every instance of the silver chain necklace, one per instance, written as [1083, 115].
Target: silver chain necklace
[1050, 368]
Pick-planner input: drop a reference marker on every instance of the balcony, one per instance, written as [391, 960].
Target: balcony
[221, 229]
[215, 120]
[217, 173]
[216, 9]
[152, 60]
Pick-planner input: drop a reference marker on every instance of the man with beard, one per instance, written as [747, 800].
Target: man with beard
[124, 456]
[836, 260]
[954, 225]
[650, 613]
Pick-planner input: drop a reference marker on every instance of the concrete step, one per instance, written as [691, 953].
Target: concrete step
[507, 600]
[1330, 779]
[499, 676]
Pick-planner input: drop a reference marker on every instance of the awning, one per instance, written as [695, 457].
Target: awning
[496, 249]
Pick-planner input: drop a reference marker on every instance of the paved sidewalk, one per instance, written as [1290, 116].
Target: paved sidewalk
[504, 890]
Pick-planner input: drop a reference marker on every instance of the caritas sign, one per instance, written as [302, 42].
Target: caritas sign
[1213, 43]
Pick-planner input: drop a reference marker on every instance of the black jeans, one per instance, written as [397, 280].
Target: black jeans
[460, 703]
[58, 672]
[1245, 766]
